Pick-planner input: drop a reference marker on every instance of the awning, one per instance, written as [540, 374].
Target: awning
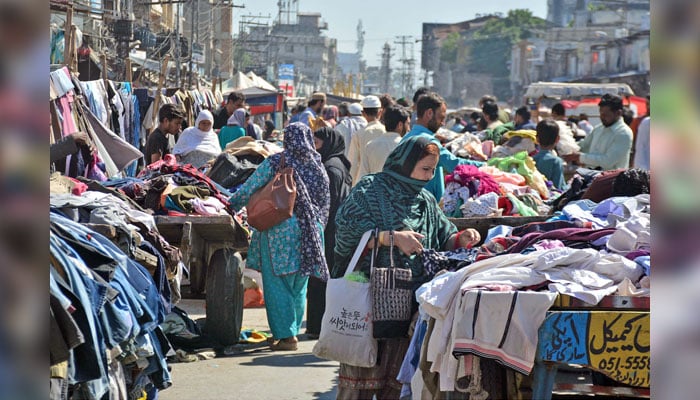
[565, 90]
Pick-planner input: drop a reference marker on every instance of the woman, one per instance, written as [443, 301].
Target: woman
[331, 146]
[330, 115]
[392, 200]
[199, 143]
[234, 129]
[285, 261]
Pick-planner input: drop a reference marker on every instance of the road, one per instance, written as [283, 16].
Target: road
[254, 373]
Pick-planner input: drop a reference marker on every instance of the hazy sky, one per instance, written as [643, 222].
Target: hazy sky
[383, 20]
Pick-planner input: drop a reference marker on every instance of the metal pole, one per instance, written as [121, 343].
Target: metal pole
[194, 4]
[177, 45]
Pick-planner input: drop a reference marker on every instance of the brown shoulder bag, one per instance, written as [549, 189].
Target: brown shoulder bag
[274, 202]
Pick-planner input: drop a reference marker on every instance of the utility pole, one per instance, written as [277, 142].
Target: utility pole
[385, 69]
[193, 38]
[177, 45]
[406, 64]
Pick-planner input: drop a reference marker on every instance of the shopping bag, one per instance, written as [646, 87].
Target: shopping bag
[346, 328]
[392, 293]
[274, 202]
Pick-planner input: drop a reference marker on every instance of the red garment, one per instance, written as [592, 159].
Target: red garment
[168, 165]
[464, 173]
[79, 187]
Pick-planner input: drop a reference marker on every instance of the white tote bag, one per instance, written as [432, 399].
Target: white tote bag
[346, 328]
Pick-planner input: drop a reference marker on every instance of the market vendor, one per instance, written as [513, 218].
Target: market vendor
[609, 144]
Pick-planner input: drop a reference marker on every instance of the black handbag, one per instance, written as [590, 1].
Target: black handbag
[392, 294]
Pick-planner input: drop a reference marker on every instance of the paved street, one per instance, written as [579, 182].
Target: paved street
[255, 372]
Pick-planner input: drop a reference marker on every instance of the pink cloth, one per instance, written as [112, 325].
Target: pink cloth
[504, 177]
[465, 173]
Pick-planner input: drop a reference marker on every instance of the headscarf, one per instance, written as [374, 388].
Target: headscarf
[313, 196]
[333, 145]
[237, 118]
[392, 200]
[330, 115]
[194, 138]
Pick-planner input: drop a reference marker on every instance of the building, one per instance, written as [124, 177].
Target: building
[450, 73]
[299, 42]
[601, 42]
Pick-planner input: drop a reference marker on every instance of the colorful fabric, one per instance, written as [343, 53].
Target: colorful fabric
[313, 198]
[465, 173]
[391, 200]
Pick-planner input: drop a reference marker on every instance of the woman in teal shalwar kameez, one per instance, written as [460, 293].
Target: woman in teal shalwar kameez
[392, 200]
[279, 253]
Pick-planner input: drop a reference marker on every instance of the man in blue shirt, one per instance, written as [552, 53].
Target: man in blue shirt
[522, 119]
[318, 100]
[431, 111]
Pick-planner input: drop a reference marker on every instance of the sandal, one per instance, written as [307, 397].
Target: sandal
[282, 345]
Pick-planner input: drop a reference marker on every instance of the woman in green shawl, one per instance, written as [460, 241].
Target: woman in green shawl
[393, 200]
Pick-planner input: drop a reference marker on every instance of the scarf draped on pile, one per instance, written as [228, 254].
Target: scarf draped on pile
[313, 198]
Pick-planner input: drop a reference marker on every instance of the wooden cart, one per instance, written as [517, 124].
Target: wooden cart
[211, 247]
[611, 338]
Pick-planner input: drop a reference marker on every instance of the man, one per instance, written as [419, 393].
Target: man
[495, 128]
[371, 111]
[566, 128]
[421, 91]
[522, 119]
[234, 101]
[349, 125]
[431, 112]
[318, 100]
[398, 123]
[609, 144]
[502, 114]
[584, 124]
[170, 118]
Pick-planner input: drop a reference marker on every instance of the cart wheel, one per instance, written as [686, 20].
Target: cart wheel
[225, 296]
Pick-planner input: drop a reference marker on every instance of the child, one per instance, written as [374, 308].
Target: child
[546, 160]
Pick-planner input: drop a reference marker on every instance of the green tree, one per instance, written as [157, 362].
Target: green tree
[448, 50]
[491, 46]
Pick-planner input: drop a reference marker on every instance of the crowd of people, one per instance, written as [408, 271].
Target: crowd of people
[379, 164]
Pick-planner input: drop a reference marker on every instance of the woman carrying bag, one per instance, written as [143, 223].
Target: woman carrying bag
[279, 253]
[394, 202]
[331, 146]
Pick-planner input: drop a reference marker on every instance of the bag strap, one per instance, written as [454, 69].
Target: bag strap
[358, 251]
[282, 161]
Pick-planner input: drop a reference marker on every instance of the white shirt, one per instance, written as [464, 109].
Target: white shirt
[641, 149]
[348, 126]
[376, 152]
[358, 142]
[607, 147]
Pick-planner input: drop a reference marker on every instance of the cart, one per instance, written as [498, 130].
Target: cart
[611, 338]
[210, 247]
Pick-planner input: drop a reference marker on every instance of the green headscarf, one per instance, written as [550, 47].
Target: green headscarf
[391, 200]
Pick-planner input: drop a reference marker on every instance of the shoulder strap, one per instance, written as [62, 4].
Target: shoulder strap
[282, 161]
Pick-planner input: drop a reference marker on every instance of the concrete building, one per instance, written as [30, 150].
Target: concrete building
[450, 75]
[300, 43]
[603, 43]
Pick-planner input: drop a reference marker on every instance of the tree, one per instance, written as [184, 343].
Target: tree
[491, 46]
[448, 51]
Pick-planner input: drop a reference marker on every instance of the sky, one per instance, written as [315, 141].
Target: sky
[384, 20]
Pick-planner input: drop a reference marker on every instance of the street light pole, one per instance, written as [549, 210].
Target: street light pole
[193, 37]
